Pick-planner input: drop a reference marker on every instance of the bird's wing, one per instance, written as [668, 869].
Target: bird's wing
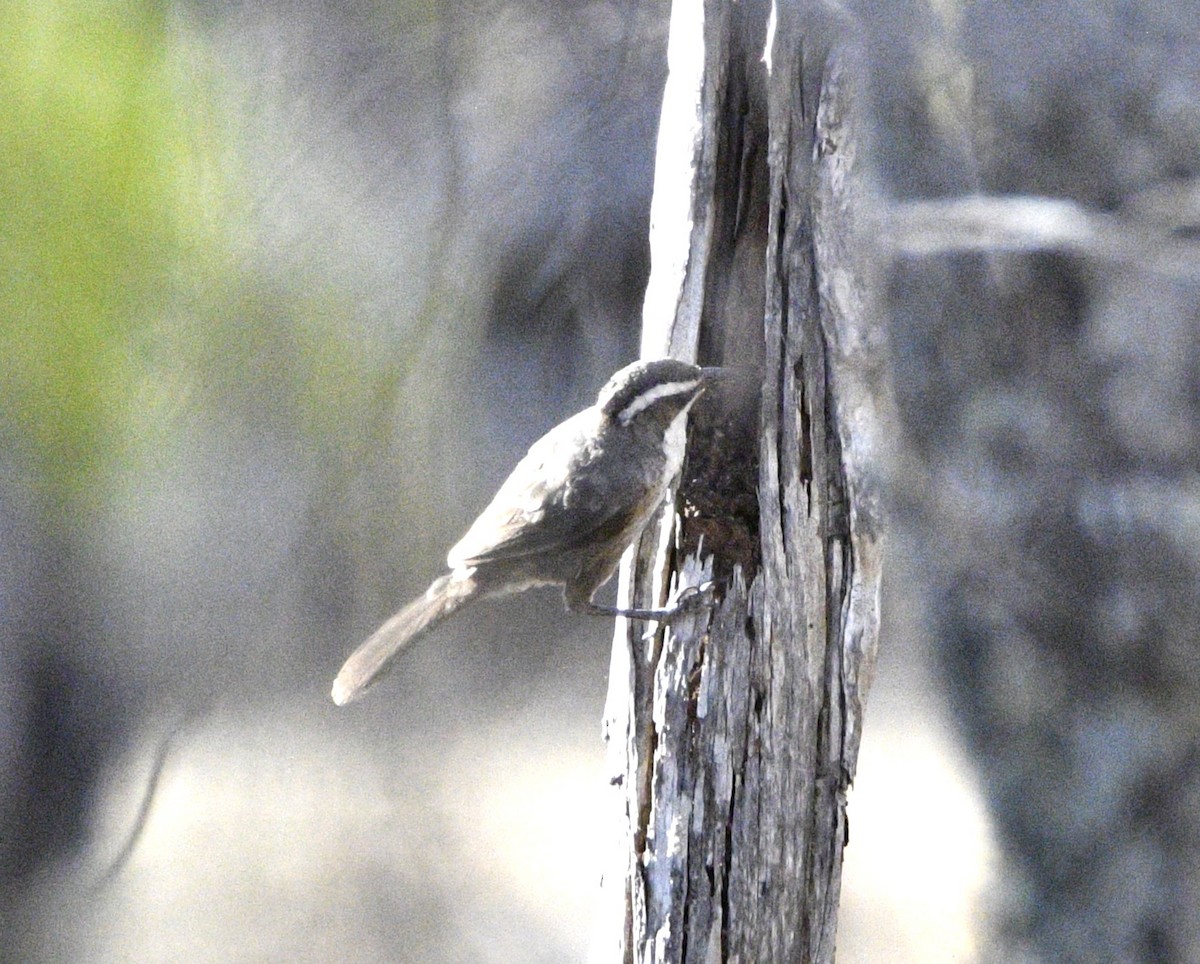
[537, 508]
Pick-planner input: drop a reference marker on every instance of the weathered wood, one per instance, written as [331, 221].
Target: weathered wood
[733, 735]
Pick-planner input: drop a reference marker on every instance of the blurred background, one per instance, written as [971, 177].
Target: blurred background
[286, 287]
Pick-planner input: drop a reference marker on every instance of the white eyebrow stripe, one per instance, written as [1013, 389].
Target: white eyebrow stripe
[648, 398]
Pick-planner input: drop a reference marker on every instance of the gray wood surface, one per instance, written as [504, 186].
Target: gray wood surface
[732, 736]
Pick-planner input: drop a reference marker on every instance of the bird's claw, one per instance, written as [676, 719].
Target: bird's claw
[689, 601]
[693, 599]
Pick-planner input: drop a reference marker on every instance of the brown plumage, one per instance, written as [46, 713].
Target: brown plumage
[564, 516]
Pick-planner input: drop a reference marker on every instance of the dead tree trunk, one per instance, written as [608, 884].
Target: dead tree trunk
[732, 736]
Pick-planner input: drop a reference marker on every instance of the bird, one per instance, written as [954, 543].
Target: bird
[565, 515]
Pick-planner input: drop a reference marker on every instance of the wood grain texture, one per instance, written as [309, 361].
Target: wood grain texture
[733, 735]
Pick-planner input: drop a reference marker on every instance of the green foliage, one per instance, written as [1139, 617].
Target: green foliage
[138, 295]
[89, 189]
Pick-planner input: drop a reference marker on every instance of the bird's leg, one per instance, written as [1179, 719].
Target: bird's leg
[689, 600]
[595, 609]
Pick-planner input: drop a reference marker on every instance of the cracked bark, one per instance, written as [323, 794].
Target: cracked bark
[732, 736]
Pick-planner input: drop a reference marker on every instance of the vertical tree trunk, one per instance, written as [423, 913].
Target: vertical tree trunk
[733, 735]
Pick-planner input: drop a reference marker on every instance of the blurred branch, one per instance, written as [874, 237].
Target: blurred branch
[1138, 239]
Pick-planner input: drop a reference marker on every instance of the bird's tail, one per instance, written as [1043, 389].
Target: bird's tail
[372, 658]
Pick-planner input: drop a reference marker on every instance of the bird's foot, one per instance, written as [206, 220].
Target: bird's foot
[688, 601]
[693, 599]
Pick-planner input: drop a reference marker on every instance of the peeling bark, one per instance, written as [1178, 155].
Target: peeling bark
[733, 735]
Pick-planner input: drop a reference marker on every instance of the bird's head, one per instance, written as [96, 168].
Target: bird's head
[654, 392]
